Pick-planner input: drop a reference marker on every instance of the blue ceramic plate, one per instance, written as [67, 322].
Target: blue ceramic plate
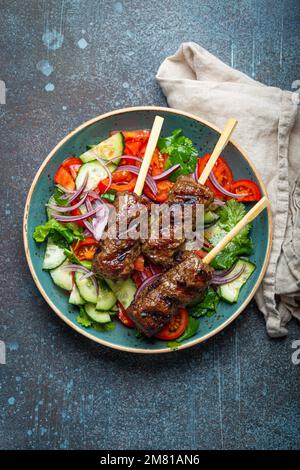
[204, 136]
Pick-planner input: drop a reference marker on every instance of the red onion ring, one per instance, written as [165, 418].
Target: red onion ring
[67, 208]
[218, 281]
[75, 218]
[134, 169]
[147, 281]
[133, 157]
[167, 173]
[100, 221]
[89, 227]
[107, 172]
[82, 269]
[220, 188]
[80, 190]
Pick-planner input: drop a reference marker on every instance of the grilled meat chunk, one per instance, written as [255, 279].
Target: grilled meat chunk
[182, 285]
[115, 256]
[187, 191]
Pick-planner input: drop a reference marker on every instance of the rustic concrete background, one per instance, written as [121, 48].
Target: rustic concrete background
[59, 390]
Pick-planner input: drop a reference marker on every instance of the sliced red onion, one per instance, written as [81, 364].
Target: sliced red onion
[67, 208]
[154, 269]
[88, 205]
[224, 272]
[94, 195]
[218, 281]
[81, 269]
[134, 169]
[87, 275]
[100, 220]
[75, 218]
[65, 190]
[89, 227]
[133, 157]
[80, 190]
[146, 283]
[167, 173]
[216, 183]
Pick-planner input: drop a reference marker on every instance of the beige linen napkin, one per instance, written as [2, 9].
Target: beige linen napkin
[268, 129]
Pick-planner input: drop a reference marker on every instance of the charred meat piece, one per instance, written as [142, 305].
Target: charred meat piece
[115, 256]
[188, 191]
[182, 285]
[162, 250]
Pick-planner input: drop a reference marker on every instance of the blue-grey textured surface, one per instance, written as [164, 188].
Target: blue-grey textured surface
[64, 62]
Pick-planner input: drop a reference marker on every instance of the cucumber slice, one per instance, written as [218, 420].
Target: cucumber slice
[106, 298]
[75, 297]
[210, 217]
[230, 292]
[86, 288]
[62, 277]
[107, 149]
[124, 291]
[49, 211]
[96, 173]
[54, 255]
[99, 317]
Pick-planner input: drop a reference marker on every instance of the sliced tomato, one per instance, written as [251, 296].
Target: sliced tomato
[85, 249]
[163, 189]
[132, 147]
[121, 181]
[72, 165]
[64, 178]
[221, 171]
[139, 264]
[246, 187]
[175, 327]
[123, 317]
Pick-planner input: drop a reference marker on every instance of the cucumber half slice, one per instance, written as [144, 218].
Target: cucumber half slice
[62, 277]
[86, 288]
[99, 317]
[54, 255]
[107, 149]
[123, 290]
[95, 171]
[230, 292]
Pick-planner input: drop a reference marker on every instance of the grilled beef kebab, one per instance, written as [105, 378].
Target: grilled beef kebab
[182, 285]
[186, 191]
[114, 258]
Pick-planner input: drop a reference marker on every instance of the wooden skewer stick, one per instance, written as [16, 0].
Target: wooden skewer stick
[251, 215]
[221, 144]
[154, 135]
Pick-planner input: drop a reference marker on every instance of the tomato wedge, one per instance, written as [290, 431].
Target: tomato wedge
[246, 187]
[221, 171]
[72, 165]
[64, 178]
[123, 317]
[175, 327]
[163, 189]
[121, 181]
[85, 249]
[139, 264]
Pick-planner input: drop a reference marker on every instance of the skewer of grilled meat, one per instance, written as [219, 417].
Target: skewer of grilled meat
[186, 191]
[115, 256]
[182, 285]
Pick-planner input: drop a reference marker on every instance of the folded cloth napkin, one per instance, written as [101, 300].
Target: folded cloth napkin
[268, 128]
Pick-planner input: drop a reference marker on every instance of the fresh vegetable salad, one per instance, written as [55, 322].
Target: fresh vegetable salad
[84, 188]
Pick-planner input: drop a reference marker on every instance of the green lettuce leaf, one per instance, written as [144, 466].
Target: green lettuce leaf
[207, 306]
[83, 318]
[58, 231]
[230, 214]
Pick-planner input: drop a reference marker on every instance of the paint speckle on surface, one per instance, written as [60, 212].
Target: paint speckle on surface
[64, 108]
[11, 401]
[82, 43]
[125, 85]
[13, 346]
[29, 432]
[45, 67]
[118, 7]
[53, 40]
[49, 87]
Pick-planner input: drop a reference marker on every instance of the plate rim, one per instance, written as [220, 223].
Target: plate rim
[60, 313]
